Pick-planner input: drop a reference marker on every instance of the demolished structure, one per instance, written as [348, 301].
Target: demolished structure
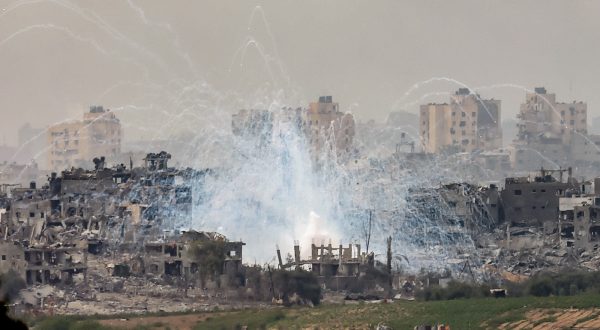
[115, 229]
[340, 268]
[71, 226]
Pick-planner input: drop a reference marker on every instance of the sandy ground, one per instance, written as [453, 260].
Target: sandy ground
[542, 319]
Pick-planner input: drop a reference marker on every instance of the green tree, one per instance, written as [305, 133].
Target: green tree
[210, 257]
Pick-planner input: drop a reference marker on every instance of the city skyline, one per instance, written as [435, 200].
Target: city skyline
[263, 57]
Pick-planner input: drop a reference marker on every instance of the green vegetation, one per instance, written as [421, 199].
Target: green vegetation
[480, 313]
[210, 256]
[454, 290]
[69, 323]
[302, 283]
[74, 320]
[253, 319]
[10, 285]
[292, 286]
[565, 283]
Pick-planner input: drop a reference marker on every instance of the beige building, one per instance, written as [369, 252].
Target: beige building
[436, 127]
[328, 127]
[327, 130]
[76, 143]
[541, 117]
[468, 123]
[552, 134]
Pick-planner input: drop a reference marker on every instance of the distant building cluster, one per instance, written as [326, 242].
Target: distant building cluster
[325, 128]
[549, 133]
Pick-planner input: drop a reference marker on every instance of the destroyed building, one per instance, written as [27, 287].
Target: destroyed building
[40, 240]
[453, 208]
[472, 203]
[180, 257]
[336, 268]
[50, 233]
[578, 223]
[13, 173]
[534, 201]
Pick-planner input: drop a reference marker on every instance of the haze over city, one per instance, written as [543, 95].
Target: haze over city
[374, 164]
[59, 58]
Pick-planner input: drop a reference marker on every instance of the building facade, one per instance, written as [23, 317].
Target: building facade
[552, 134]
[328, 127]
[327, 130]
[468, 123]
[76, 143]
[541, 117]
[534, 202]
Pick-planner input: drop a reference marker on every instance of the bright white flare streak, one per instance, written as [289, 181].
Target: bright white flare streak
[267, 193]
[272, 194]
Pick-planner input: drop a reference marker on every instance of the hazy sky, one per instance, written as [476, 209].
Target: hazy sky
[156, 61]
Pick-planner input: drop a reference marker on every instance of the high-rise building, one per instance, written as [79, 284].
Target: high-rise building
[552, 134]
[325, 128]
[542, 118]
[436, 127]
[329, 127]
[468, 123]
[76, 143]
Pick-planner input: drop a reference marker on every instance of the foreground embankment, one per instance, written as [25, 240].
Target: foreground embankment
[573, 312]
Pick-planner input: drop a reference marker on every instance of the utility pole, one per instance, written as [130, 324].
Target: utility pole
[279, 257]
[389, 260]
[271, 288]
[368, 230]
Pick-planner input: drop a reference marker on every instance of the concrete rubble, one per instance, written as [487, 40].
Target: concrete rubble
[109, 240]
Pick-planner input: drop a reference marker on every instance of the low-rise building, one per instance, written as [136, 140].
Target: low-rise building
[528, 201]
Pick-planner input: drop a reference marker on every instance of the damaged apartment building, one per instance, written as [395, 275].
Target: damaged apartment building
[454, 207]
[181, 257]
[49, 234]
[551, 208]
[578, 224]
[336, 268]
[530, 205]
[539, 210]
[551, 133]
